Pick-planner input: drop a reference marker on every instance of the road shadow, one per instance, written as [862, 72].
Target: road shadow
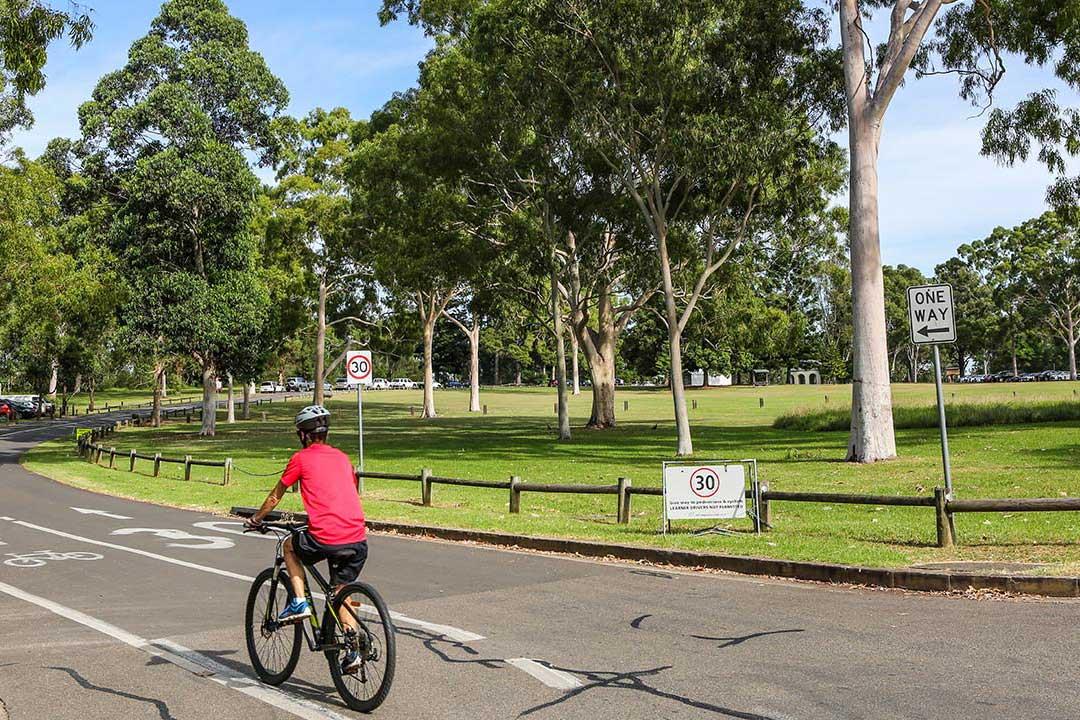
[162, 709]
[443, 647]
[733, 640]
[634, 681]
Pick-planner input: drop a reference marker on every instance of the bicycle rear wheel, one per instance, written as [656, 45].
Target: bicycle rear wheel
[372, 637]
[274, 649]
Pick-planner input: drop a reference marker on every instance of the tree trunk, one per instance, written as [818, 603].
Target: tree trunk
[599, 348]
[497, 369]
[913, 365]
[164, 383]
[872, 436]
[517, 373]
[159, 385]
[90, 403]
[53, 380]
[574, 364]
[685, 444]
[78, 384]
[246, 413]
[209, 400]
[474, 367]
[563, 405]
[429, 319]
[230, 416]
[1070, 326]
[1015, 365]
[320, 345]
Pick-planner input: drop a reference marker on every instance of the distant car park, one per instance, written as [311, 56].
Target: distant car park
[379, 384]
[341, 384]
[296, 384]
[402, 384]
[455, 384]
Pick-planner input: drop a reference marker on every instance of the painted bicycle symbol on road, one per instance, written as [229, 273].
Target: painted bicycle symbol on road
[38, 558]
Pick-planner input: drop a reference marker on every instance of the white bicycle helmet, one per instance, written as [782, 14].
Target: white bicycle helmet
[313, 417]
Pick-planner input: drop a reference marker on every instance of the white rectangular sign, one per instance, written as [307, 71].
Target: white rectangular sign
[358, 367]
[930, 310]
[704, 490]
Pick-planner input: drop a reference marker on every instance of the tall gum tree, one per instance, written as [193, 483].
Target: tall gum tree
[970, 41]
[707, 115]
[163, 136]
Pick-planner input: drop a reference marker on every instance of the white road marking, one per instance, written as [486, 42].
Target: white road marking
[448, 631]
[549, 676]
[227, 526]
[38, 427]
[201, 542]
[88, 511]
[189, 660]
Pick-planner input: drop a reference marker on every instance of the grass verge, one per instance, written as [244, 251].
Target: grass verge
[516, 438]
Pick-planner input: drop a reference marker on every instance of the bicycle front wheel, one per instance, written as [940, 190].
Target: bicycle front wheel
[274, 649]
[368, 630]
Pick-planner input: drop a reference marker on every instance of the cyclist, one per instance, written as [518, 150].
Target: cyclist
[335, 532]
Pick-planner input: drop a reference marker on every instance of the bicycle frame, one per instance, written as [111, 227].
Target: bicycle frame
[314, 638]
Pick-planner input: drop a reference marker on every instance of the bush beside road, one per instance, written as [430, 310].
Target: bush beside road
[515, 438]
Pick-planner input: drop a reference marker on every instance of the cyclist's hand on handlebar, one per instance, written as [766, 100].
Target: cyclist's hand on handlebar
[253, 525]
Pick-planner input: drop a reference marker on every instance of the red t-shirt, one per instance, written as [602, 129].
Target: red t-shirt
[328, 489]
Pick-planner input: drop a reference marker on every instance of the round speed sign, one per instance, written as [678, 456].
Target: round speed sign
[358, 366]
[704, 482]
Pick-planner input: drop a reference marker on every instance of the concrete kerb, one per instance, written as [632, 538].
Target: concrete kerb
[898, 578]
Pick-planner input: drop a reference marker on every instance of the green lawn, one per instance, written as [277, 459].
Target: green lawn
[128, 396]
[515, 438]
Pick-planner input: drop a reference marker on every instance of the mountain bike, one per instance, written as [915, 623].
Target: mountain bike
[274, 647]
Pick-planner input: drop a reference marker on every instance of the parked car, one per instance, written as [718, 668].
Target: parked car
[1028, 377]
[379, 384]
[295, 384]
[402, 384]
[341, 384]
[270, 386]
[456, 384]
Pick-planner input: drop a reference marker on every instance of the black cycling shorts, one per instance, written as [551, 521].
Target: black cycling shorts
[346, 561]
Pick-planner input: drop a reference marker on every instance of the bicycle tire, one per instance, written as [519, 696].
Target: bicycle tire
[382, 628]
[253, 616]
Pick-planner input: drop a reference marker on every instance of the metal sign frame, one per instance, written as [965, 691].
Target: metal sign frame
[751, 469]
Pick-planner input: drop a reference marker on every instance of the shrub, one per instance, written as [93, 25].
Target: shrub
[957, 415]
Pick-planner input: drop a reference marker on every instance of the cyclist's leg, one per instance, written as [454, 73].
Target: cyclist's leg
[343, 572]
[295, 568]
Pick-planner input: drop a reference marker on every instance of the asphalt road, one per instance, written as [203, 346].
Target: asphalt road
[145, 621]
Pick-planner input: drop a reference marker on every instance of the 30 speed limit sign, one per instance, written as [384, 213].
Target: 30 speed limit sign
[358, 367]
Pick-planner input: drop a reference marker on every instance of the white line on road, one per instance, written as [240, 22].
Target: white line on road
[88, 511]
[189, 660]
[549, 676]
[448, 631]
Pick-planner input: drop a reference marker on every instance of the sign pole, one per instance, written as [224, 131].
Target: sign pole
[360, 422]
[941, 424]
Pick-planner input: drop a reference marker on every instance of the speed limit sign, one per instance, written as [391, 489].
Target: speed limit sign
[358, 367]
[706, 490]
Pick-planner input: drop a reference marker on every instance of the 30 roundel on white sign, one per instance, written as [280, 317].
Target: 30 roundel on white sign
[358, 367]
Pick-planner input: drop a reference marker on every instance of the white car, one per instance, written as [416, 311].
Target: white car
[270, 387]
[402, 384]
[341, 384]
[379, 384]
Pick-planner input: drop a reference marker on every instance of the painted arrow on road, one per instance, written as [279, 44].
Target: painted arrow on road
[87, 511]
[926, 330]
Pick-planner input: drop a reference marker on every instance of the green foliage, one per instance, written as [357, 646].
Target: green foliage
[27, 28]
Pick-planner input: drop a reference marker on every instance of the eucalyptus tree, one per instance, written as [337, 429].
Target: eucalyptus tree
[27, 28]
[897, 280]
[420, 234]
[971, 41]
[164, 137]
[708, 117]
[975, 314]
[315, 210]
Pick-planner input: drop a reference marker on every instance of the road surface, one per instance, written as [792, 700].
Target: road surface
[118, 609]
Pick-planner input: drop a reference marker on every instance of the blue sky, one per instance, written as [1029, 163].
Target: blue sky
[936, 190]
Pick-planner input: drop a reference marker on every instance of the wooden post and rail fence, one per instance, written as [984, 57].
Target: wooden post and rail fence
[90, 447]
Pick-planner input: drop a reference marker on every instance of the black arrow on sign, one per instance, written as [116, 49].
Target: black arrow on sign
[926, 330]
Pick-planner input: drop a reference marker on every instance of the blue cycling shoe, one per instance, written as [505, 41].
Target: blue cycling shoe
[296, 610]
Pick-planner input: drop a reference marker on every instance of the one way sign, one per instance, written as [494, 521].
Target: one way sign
[930, 309]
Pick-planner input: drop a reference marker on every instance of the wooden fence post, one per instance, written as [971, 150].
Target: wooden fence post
[157, 464]
[944, 529]
[226, 476]
[425, 487]
[112, 458]
[187, 467]
[515, 494]
[359, 480]
[131, 462]
[625, 405]
[623, 511]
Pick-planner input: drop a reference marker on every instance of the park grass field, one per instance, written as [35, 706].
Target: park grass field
[516, 438]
